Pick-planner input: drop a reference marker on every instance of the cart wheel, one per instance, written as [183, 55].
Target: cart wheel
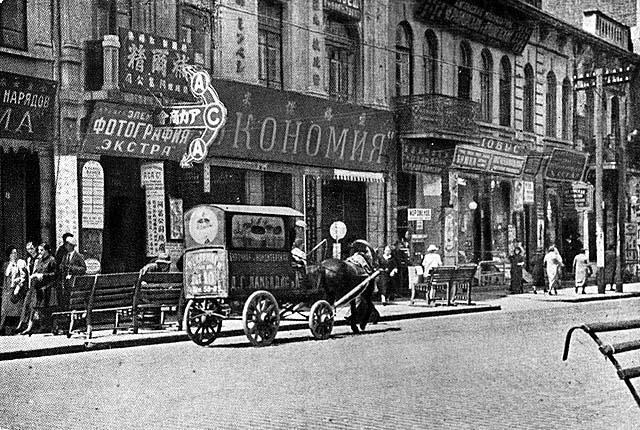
[321, 319]
[201, 327]
[261, 318]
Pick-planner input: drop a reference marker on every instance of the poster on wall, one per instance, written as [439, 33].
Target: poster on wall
[152, 179]
[66, 195]
[176, 225]
[92, 195]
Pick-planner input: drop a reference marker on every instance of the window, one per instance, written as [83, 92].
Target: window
[277, 189]
[342, 48]
[505, 92]
[270, 44]
[257, 231]
[529, 98]
[486, 86]
[143, 16]
[192, 28]
[464, 72]
[13, 24]
[551, 105]
[227, 185]
[430, 59]
[615, 118]
[566, 109]
[404, 60]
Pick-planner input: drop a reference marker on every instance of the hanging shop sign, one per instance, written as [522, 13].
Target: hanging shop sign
[566, 165]
[486, 160]
[26, 107]
[150, 64]
[420, 158]
[631, 242]
[492, 22]
[350, 8]
[532, 164]
[209, 115]
[419, 214]
[127, 131]
[152, 179]
[577, 196]
[282, 126]
[528, 191]
[518, 196]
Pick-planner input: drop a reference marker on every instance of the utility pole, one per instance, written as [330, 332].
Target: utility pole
[597, 129]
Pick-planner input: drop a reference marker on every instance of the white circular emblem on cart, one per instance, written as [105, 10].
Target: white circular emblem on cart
[203, 225]
[338, 230]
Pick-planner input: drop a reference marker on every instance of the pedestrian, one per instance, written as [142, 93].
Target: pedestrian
[610, 268]
[388, 276]
[553, 264]
[62, 249]
[401, 255]
[72, 264]
[30, 296]
[581, 270]
[431, 259]
[162, 263]
[517, 264]
[42, 282]
[537, 271]
[15, 278]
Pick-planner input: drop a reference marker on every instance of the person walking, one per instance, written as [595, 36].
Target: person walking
[387, 277]
[15, 278]
[553, 264]
[537, 271]
[42, 281]
[30, 296]
[581, 270]
[610, 268]
[431, 259]
[517, 264]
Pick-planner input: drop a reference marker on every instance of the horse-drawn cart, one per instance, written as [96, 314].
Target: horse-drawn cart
[237, 261]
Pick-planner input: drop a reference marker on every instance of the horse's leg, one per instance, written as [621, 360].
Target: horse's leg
[354, 317]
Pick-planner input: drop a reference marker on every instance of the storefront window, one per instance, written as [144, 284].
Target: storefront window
[270, 44]
[277, 189]
[227, 186]
[13, 24]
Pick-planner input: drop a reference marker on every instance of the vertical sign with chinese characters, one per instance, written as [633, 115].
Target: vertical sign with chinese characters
[310, 205]
[316, 47]
[92, 195]
[152, 178]
[177, 225]
[151, 64]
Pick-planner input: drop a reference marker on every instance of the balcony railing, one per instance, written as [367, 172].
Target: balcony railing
[435, 113]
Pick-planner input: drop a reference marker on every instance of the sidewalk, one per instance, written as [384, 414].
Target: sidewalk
[16, 347]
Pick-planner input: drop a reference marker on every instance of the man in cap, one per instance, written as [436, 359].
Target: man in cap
[162, 263]
[71, 264]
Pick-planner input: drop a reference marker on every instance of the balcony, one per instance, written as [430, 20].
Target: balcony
[435, 114]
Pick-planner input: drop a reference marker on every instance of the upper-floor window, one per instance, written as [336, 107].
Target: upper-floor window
[342, 43]
[143, 16]
[404, 59]
[192, 27]
[270, 43]
[13, 24]
[430, 59]
[528, 103]
[566, 108]
[551, 105]
[505, 92]
[486, 86]
[615, 118]
[464, 71]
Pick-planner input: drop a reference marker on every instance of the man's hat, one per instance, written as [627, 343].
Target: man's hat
[163, 257]
[432, 247]
[71, 241]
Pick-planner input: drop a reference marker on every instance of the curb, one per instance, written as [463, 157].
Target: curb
[91, 345]
[585, 298]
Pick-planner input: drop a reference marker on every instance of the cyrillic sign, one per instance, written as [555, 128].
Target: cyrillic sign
[566, 165]
[486, 160]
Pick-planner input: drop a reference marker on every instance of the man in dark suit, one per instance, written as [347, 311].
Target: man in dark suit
[72, 264]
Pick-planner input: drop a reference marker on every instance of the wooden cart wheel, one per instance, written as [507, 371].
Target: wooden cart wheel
[261, 318]
[321, 319]
[202, 328]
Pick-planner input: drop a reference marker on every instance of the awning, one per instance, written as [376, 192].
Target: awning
[352, 175]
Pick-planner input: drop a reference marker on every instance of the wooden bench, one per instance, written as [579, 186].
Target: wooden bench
[448, 283]
[611, 350]
[158, 291]
[95, 295]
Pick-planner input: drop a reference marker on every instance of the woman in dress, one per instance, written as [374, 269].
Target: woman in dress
[42, 282]
[517, 264]
[15, 277]
[385, 279]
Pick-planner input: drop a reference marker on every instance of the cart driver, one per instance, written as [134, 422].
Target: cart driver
[161, 264]
[298, 255]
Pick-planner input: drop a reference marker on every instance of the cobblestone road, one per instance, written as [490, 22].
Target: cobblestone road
[500, 370]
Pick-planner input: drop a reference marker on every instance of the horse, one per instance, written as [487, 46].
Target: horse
[337, 278]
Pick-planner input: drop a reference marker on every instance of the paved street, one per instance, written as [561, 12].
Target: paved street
[490, 370]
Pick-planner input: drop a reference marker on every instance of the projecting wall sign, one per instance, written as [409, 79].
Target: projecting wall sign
[209, 115]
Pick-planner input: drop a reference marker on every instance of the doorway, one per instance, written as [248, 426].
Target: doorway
[345, 201]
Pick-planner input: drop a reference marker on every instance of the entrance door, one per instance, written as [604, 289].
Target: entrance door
[347, 202]
[125, 218]
[13, 201]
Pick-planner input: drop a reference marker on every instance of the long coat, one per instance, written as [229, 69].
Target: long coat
[45, 293]
[15, 276]
[384, 281]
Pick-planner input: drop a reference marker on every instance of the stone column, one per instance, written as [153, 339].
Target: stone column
[45, 159]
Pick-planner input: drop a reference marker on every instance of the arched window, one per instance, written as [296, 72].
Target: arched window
[551, 105]
[566, 109]
[505, 92]
[589, 111]
[464, 71]
[430, 62]
[486, 86]
[529, 98]
[404, 60]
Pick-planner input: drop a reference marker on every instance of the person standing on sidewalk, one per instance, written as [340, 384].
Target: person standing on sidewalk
[42, 281]
[30, 297]
[72, 264]
[15, 277]
[387, 277]
[610, 268]
[553, 264]
[537, 271]
[581, 270]
[517, 264]
[431, 259]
